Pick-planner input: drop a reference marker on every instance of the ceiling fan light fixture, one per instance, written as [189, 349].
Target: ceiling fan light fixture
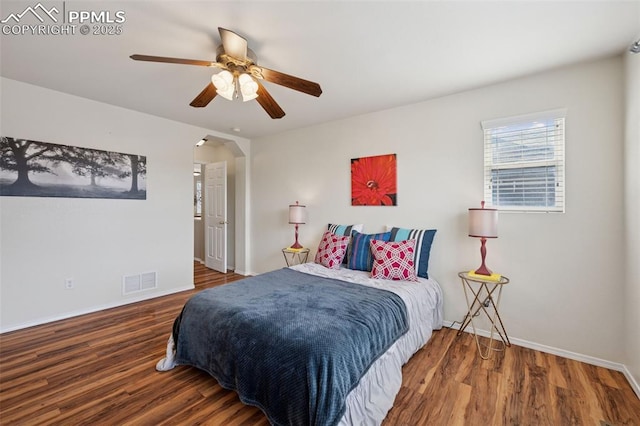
[233, 60]
[224, 84]
[248, 87]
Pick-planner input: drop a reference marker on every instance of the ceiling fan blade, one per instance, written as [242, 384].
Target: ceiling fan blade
[148, 58]
[206, 96]
[234, 45]
[286, 80]
[268, 103]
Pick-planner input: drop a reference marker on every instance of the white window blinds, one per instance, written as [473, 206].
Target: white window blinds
[524, 162]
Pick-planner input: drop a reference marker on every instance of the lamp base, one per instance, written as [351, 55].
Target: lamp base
[296, 245]
[482, 270]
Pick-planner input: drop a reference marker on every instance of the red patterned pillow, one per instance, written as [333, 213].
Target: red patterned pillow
[331, 250]
[394, 260]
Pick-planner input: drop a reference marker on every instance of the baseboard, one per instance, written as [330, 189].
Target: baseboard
[197, 259]
[67, 315]
[616, 366]
[632, 381]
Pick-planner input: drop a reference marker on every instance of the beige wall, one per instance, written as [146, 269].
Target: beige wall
[632, 211]
[566, 270]
[95, 242]
[198, 239]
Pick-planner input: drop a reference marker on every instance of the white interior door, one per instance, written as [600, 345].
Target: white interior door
[215, 215]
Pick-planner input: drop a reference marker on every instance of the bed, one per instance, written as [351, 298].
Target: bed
[308, 345]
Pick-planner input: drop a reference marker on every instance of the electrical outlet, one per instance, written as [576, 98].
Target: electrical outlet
[68, 283]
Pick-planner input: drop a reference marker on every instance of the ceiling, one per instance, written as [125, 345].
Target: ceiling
[367, 56]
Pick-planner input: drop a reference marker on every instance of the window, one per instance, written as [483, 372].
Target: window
[524, 162]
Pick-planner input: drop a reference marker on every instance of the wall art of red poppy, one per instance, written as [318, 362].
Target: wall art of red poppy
[374, 180]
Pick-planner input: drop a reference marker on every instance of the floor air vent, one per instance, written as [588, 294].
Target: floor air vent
[137, 283]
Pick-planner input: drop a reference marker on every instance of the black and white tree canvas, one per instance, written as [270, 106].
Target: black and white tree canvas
[39, 169]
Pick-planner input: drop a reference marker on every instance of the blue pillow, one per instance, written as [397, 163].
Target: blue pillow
[424, 238]
[359, 256]
[344, 230]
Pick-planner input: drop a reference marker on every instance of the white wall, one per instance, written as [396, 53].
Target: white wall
[632, 210]
[95, 242]
[566, 270]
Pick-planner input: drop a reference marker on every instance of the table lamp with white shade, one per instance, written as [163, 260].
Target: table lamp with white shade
[483, 224]
[296, 217]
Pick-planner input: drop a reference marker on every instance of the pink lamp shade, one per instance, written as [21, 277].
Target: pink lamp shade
[483, 224]
[297, 217]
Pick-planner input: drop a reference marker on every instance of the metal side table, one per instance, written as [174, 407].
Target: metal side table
[481, 296]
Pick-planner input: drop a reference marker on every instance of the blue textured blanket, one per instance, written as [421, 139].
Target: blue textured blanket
[290, 343]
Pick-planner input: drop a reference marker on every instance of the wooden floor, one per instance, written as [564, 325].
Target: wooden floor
[98, 369]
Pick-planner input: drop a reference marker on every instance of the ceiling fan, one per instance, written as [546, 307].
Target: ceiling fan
[240, 75]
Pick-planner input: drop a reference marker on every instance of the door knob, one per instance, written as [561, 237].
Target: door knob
[224, 222]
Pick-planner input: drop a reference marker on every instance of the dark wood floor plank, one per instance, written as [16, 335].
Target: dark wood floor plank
[99, 369]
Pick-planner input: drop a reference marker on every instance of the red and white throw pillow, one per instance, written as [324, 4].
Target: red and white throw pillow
[331, 250]
[393, 260]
